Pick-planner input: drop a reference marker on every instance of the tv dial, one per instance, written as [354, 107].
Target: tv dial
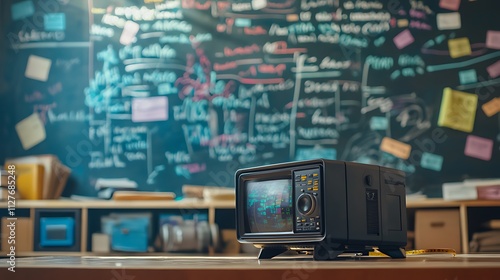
[306, 203]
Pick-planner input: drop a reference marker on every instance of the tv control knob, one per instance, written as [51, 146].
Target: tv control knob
[306, 203]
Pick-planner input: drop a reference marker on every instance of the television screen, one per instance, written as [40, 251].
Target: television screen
[269, 206]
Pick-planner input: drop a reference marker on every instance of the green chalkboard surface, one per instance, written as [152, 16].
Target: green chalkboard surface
[173, 92]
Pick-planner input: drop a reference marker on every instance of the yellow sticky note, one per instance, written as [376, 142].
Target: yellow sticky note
[491, 107]
[458, 110]
[38, 68]
[459, 47]
[402, 23]
[31, 131]
[395, 148]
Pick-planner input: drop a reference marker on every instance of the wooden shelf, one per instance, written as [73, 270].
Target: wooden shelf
[111, 204]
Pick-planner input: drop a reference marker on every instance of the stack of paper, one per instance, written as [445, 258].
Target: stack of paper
[45, 176]
[472, 189]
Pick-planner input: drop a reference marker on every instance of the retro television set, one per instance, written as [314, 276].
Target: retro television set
[321, 207]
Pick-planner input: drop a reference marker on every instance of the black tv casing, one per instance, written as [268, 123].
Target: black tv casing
[361, 207]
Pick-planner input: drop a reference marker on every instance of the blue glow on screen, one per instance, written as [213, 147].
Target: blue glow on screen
[269, 206]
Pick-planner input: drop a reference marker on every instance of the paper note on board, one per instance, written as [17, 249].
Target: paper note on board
[54, 22]
[149, 109]
[395, 148]
[459, 47]
[22, 10]
[31, 131]
[467, 76]
[478, 147]
[38, 68]
[431, 161]
[458, 110]
[379, 123]
[491, 107]
[259, 4]
[403, 39]
[494, 69]
[129, 31]
[448, 21]
[450, 4]
[493, 39]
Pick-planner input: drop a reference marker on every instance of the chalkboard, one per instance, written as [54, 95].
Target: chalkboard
[174, 92]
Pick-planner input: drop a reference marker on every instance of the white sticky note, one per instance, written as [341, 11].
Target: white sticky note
[448, 21]
[149, 109]
[38, 68]
[259, 4]
[31, 131]
[129, 31]
[493, 39]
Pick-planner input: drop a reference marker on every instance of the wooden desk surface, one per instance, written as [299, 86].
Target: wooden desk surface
[421, 267]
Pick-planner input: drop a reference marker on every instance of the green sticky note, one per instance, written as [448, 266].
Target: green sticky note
[431, 161]
[467, 76]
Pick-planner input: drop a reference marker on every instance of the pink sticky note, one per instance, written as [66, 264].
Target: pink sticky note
[403, 39]
[493, 39]
[478, 147]
[494, 69]
[149, 109]
[450, 4]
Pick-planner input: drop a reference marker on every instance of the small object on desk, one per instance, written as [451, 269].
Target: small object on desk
[137, 195]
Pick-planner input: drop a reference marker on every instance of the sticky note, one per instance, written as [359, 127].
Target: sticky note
[467, 76]
[129, 31]
[448, 21]
[22, 10]
[379, 123]
[458, 110]
[478, 147]
[403, 39]
[431, 161]
[54, 22]
[292, 17]
[493, 39]
[395, 148]
[38, 68]
[259, 4]
[31, 131]
[242, 22]
[148, 109]
[450, 4]
[491, 107]
[402, 23]
[494, 69]
[459, 47]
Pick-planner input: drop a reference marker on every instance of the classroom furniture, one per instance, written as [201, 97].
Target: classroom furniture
[471, 215]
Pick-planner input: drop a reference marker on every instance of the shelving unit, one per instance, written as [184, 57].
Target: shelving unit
[471, 214]
[92, 210]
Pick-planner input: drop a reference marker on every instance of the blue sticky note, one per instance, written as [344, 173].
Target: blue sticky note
[431, 161]
[54, 22]
[314, 153]
[467, 76]
[379, 123]
[22, 10]
[242, 22]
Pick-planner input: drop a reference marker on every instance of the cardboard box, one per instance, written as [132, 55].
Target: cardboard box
[23, 235]
[437, 229]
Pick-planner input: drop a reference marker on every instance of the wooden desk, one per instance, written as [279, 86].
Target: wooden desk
[418, 267]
